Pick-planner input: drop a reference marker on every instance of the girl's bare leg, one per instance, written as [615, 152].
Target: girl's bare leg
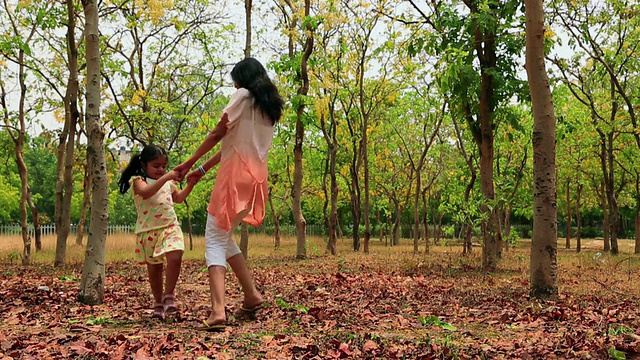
[251, 295]
[155, 280]
[216, 288]
[174, 264]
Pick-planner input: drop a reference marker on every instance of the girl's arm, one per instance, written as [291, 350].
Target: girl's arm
[207, 144]
[146, 190]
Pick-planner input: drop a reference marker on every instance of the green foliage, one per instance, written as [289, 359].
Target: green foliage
[100, 320]
[68, 278]
[284, 305]
[619, 330]
[13, 256]
[616, 354]
[433, 320]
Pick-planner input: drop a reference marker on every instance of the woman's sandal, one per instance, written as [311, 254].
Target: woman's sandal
[158, 312]
[250, 312]
[171, 309]
[217, 327]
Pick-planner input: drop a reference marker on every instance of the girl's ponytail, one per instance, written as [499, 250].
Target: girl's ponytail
[133, 168]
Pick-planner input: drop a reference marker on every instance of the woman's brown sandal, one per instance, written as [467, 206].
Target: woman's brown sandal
[158, 312]
[250, 312]
[171, 309]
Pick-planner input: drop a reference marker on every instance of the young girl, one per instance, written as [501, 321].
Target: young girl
[158, 232]
[240, 190]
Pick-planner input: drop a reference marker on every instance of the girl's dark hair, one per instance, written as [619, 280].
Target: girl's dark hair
[251, 75]
[149, 153]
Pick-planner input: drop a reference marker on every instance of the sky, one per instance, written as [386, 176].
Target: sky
[236, 10]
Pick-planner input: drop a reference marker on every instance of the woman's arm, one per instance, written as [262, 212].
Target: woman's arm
[179, 196]
[207, 144]
[196, 175]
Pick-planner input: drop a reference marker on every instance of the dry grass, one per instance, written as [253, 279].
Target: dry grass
[587, 272]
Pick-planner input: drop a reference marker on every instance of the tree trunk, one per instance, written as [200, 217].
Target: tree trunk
[605, 219]
[486, 55]
[544, 242]
[637, 220]
[25, 193]
[303, 75]
[567, 244]
[356, 213]
[380, 226]
[436, 240]
[612, 198]
[248, 4]
[244, 227]
[507, 225]
[367, 206]
[637, 226]
[86, 200]
[298, 217]
[425, 221]
[35, 216]
[91, 290]
[468, 245]
[333, 215]
[578, 219]
[18, 137]
[276, 222]
[67, 142]
[387, 239]
[244, 239]
[395, 238]
[416, 213]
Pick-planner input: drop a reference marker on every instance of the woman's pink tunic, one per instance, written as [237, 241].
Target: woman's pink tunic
[241, 182]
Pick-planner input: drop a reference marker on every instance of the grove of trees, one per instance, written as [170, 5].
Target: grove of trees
[404, 119]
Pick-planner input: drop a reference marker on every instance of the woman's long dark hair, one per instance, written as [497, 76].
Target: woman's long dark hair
[149, 153]
[251, 75]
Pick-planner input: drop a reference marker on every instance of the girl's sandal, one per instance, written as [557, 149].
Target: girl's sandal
[158, 312]
[170, 309]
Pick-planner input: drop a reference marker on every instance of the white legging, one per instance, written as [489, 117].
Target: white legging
[218, 244]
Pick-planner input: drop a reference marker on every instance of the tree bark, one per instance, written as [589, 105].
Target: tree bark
[578, 218]
[91, 290]
[425, 221]
[484, 137]
[605, 218]
[244, 229]
[86, 201]
[18, 135]
[303, 77]
[637, 219]
[567, 244]
[276, 222]
[66, 149]
[544, 242]
[244, 239]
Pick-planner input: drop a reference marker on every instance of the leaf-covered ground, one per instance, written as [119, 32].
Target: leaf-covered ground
[386, 305]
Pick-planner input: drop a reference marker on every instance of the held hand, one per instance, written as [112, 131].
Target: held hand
[182, 170]
[194, 177]
[174, 175]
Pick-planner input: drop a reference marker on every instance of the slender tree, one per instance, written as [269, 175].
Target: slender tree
[66, 145]
[93, 272]
[544, 243]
